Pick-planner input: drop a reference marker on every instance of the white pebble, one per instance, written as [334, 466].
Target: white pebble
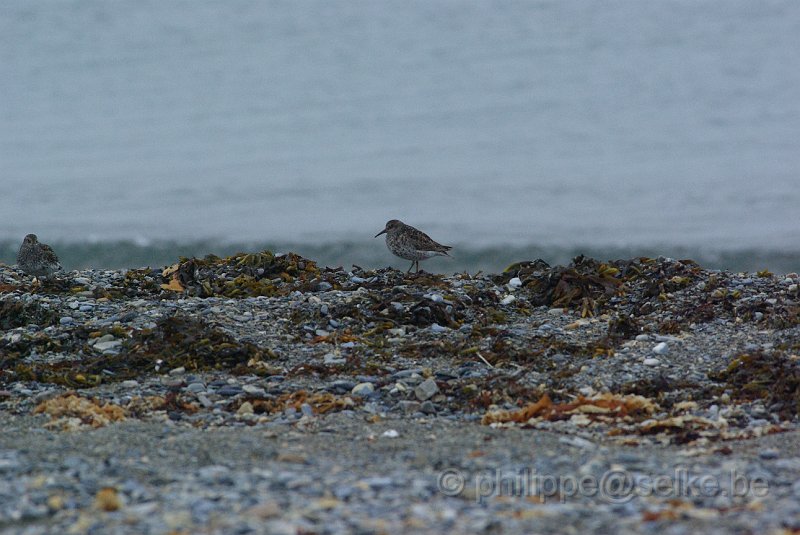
[515, 282]
[651, 362]
[661, 348]
[390, 433]
[363, 389]
[507, 300]
[331, 358]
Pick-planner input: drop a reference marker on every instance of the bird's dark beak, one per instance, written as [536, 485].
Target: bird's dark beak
[381, 232]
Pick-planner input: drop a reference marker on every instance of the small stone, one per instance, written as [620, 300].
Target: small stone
[651, 362]
[214, 474]
[245, 408]
[435, 327]
[324, 286]
[661, 348]
[177, 371]
[428, 407]
[110, 345]
[363, 389]
[130, 383]
[409, 407]
[378, 482]
[107, 499]
[642, 338]
[66, 320]
[390, 433]
[507, 300]
[402, 374]
[556, 311]
[578, 442]
[577, 324]
[342, 386]
[331, 359]
[426, 389]
[792, 463]
[516, 282]
[229, 390]
[196, 387]
[769, 453]
[254, 390]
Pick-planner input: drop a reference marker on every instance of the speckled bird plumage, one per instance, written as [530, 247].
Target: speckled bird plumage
[410, 243]
[37, 259]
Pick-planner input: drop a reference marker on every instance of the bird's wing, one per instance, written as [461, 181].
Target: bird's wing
[49, 254]
[426, 243]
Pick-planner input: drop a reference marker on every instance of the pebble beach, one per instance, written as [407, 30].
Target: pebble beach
[265, 393]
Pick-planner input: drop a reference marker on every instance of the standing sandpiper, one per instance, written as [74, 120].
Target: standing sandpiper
[407, 242]
[37, 259]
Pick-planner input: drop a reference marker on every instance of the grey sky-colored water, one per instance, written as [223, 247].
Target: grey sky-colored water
[538, 122]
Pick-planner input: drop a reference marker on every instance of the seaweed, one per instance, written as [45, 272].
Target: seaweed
[176, 341]
[320, 402]
[15, 314]
[623, 327]
[525, 271]
[585, 284]
[241, 275]
[772, 377]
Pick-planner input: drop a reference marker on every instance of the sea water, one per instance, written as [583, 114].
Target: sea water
[132, 131]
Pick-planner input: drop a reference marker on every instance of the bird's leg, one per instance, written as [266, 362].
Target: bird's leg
[411, 266]
[417, 262]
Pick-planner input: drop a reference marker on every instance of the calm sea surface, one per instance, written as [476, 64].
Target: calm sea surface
[503, 128]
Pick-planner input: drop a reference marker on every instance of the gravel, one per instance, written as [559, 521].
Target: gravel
[367, 405]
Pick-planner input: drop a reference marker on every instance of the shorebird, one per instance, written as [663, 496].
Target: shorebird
[411, 244]
[37, 259]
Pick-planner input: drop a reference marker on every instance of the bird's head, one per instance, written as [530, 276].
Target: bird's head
[392, 225]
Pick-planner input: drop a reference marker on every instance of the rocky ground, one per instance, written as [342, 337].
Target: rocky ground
[262, 393]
